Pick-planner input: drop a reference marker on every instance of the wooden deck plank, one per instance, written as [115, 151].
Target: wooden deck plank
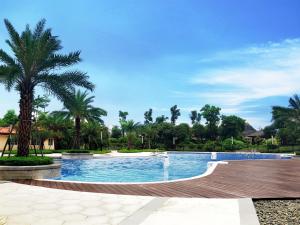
[251, 178]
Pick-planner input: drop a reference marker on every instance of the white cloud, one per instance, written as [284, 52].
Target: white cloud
[260, 71]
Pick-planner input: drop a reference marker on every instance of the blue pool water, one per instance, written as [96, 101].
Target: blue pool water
[146, 169]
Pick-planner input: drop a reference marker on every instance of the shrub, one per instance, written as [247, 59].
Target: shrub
[25, 161]
[191, 146]
[209, 146]
[271, 146]
[237, 145]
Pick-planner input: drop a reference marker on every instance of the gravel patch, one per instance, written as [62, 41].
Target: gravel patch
[278, 212]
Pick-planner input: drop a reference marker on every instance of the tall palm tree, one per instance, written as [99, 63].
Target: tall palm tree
[36, 62]
[290, 114]
[195, 116]
[122, 119]
[175, 113]
[79, 108]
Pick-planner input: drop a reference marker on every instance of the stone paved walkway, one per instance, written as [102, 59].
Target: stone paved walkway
[29, 205]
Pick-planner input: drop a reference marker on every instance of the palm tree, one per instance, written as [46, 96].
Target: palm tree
[175, 113]
[79, 108]
[122, 119]
[290, 114]
[36, 62]
[195, 117]
[161, 119]
[148, 116]
[130, 127]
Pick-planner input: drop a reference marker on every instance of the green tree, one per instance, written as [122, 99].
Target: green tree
[291, 114]
[165, 134]
[175, 113]
[232, 126]
[36, 62]
[123, 115]
[58, 128]
[91, 135]
[270, 131]
[130, 128]
[195, 116]
[40, 102]
[9, 118]
[148, 116]
[116, 132]
[161, 119]
[182, 132]
[80, 109]
[212, 117]
[287, 120]
[122, 121]
[150, 133]
[198, 131]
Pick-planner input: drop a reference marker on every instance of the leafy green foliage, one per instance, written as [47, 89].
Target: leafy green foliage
[232, 126]
[25, 161]
[287, 121]
[116, 132]
[40, 102]
[198, 131]
[237, 144]
[79, 108]
[9, 118]
[182, 132]
[161, 119]
[212, 117]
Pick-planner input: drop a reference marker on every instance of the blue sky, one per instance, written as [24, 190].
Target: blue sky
[243, 56]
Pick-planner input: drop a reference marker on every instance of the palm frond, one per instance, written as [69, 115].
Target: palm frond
[14, 36]
[295, 102]
[59, 60]
[39, 29]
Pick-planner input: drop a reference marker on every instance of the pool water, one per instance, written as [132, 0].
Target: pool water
[172, 166]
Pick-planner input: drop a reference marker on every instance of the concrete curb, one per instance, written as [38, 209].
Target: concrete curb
[247, 212]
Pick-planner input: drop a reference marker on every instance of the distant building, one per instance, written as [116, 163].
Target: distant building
[4, 134]
[251, 133]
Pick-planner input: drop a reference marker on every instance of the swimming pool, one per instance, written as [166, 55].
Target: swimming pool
[163, 167]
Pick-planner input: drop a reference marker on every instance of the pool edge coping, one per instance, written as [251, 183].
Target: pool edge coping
[210, 169]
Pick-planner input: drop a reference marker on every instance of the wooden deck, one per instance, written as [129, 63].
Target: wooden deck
[253, 179]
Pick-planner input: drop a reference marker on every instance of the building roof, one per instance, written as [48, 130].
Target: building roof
[5, 130]
[259, 133]
[248, 130]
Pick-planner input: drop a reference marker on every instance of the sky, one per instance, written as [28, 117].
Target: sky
[243, 56]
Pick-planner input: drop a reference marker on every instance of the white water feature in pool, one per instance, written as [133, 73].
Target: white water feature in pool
[166, 166]
[213, 156]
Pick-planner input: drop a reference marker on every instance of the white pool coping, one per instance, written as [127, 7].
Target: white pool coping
[211, 166]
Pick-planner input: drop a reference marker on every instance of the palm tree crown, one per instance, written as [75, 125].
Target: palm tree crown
[36, 62]
[80, 109]
[288, 114]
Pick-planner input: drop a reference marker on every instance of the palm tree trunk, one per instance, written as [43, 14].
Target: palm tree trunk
[24, 128]
[77, 135]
